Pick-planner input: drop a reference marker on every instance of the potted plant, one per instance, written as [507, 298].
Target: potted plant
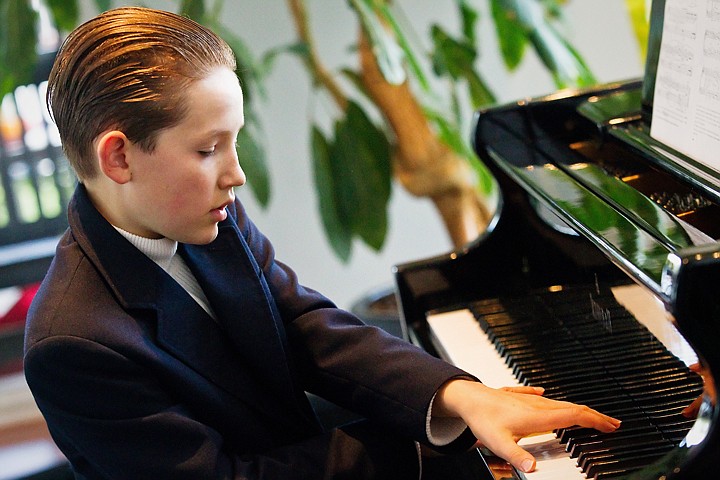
[390, 123]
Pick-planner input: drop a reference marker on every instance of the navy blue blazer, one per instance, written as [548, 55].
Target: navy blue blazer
[136, 381]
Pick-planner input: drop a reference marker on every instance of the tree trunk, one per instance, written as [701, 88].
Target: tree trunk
[424, 165]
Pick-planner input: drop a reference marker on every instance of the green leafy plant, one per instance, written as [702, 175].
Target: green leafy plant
[420, 139]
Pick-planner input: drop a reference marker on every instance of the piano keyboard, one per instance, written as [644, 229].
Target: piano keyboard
[626, 360]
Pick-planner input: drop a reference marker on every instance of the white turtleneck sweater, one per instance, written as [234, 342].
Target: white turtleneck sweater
[163, 251]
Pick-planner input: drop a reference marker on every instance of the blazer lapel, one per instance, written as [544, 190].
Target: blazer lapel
[240, 297]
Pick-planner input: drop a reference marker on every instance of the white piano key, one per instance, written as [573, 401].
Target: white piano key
[459, 338]
[553, 462]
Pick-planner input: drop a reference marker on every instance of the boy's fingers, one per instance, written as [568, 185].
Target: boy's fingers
[525, 389]
[584, 417]
[517, 456]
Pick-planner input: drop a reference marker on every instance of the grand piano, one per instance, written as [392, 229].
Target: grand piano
[598, 279]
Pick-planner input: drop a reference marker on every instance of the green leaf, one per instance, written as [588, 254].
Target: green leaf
[194, 9]
[450, 55]
[17, 44]
[452, 137]
[267, 61]
[102, 5]
[410, 56]
[480, 93]
[469, 17]
[65, 13]
[354, 77]
[338, 233]
[565, 64]
[388, 53]
[640, 24]
[449, 133]
[510, 34]
[456, 58]
[563, 61]
[362, 169]
[251, 156]
[247, 70]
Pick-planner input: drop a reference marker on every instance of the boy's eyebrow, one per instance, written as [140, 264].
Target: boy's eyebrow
[216, 132]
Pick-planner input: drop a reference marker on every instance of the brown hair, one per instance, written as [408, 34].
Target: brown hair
[128, 68]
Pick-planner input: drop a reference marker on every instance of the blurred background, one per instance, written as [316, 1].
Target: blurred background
[600, 31]
[601, 34]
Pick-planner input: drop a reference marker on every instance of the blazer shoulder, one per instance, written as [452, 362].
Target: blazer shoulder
[72, 299]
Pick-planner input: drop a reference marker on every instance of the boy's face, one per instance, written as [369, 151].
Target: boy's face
[181, 189]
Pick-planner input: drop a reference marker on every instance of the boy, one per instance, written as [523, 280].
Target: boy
[167, 342]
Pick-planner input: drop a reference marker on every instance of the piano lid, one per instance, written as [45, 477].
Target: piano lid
[590, 159]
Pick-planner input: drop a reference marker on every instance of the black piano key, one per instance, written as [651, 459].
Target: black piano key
[608, 382]
[578, 353]
[665, 417]
[593, 438]
[632, 363]
[670, 424]
[629, 439]
[586, 459]
[619, 474]
[626, 464]
[639, 383]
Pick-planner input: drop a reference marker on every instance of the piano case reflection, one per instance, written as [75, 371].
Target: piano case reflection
[597, 279]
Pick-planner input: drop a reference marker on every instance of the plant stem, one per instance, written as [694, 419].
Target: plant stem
[320, 74]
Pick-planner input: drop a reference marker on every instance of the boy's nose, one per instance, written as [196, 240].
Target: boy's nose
[234, 175]
[240, 178]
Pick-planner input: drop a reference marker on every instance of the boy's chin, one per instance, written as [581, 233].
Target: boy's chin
[200, 237]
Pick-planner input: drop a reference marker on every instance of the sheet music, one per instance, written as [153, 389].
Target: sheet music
[686, 109]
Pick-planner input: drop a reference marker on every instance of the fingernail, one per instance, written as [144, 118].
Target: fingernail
[539, 389]
[527, 465]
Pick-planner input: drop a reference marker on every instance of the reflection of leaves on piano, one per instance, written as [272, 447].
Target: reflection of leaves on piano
[599, 219]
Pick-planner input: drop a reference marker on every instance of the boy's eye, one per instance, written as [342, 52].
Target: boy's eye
[207, 152]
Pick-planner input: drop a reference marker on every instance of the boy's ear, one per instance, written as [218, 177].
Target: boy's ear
[112, 148]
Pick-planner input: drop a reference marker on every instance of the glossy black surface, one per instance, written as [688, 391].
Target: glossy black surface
[588, 199]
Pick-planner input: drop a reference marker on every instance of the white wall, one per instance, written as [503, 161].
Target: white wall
[599, 30]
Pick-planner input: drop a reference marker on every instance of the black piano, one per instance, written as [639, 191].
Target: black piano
[598, 279]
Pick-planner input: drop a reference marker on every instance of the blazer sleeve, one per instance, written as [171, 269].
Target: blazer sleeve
[344, 360]
[113, 419]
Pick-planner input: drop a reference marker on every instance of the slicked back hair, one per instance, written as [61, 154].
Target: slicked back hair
[128, 69]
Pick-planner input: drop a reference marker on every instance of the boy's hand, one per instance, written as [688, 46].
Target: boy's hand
[693, 409]
[500, 417]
